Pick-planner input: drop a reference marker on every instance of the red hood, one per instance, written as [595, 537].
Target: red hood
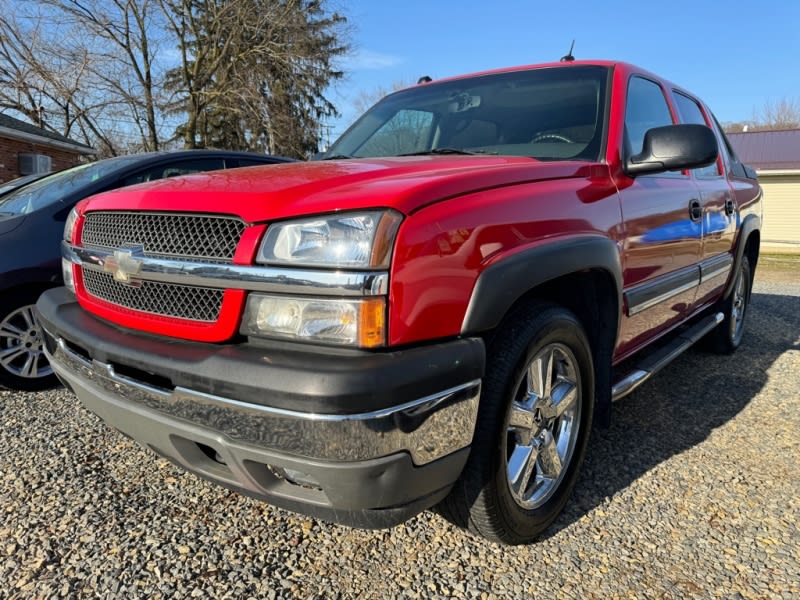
[279, 191]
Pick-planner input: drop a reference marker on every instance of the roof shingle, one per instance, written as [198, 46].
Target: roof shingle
[22, 126]
[768, 150]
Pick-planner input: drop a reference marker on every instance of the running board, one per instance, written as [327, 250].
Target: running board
[653, 363]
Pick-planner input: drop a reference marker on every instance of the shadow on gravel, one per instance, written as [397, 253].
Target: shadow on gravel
[682, 405]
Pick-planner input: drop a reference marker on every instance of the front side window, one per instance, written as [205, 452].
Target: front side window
[555, 113]
[646, 108]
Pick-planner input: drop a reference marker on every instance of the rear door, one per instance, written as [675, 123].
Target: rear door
[718, 206]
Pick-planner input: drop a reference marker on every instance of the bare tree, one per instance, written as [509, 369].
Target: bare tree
[781, 114]
[120, 31]
[773, 115]
[48, 81]
[250, 74]
[82, 68]
[365, 99]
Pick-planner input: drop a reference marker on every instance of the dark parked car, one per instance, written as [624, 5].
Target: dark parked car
[31, 225]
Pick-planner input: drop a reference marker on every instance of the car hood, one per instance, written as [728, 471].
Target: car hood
[279, 191]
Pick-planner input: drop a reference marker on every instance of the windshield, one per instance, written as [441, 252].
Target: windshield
[53, 188]
[19, 182]
[548, 114]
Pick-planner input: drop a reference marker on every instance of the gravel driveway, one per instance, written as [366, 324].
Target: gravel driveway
[693, 491]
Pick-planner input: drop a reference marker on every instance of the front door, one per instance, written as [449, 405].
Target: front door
[662, 215]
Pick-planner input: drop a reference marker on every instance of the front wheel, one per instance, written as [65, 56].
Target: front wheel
[23, 365]
[533, 427]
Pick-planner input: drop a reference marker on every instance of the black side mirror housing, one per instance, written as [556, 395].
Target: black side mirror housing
[674, 147]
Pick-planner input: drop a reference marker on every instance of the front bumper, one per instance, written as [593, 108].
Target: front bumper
[370, 468]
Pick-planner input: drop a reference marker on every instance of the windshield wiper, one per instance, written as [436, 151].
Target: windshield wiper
[338, 157]
[446, 151]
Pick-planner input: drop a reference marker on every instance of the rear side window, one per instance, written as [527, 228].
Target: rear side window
[244, 162]
[690, 113]
[646, 108]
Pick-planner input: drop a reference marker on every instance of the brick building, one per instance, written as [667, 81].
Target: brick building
[26, 149]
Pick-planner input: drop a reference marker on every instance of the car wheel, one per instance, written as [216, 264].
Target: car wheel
[533, 427]
[23, 365]
[727, 336]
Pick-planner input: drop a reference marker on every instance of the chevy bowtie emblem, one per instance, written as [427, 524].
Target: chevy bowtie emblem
[124, 263]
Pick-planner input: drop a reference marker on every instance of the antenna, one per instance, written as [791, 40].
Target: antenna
[568, 56]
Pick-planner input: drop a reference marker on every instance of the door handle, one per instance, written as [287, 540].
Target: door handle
[695, 210]
[730, 207]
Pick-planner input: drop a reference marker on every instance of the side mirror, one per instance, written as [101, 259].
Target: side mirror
[674, 147]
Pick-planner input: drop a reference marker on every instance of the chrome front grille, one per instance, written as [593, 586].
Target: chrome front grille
[166, 235]
[166, 299]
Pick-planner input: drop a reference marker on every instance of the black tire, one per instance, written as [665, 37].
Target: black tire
[727, 336]
[21, 341]
[483, 499]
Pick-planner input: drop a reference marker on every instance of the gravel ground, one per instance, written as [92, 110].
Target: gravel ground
[694, 491]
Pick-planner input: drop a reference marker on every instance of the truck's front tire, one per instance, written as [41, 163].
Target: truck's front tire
[533, 426]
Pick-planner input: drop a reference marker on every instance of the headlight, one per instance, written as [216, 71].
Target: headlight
[355, 239]
[70, 224]
[333, 321]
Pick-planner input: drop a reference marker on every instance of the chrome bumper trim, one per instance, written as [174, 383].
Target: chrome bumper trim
[427, 428]
[229, 276]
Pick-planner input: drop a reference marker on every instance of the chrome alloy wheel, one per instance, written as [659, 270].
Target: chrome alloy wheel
[22, 344]
[739, 305]
[543, 425]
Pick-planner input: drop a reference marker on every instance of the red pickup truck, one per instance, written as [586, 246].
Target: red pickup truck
[435, 313]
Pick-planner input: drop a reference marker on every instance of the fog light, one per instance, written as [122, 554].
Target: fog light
[332, 321]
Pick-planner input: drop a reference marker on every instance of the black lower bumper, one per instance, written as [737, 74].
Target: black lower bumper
[371, 466]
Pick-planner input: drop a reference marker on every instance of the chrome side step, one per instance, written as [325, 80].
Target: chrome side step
[653, 363]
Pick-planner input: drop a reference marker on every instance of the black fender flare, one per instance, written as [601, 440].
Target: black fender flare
[750, 224]
[505, 282]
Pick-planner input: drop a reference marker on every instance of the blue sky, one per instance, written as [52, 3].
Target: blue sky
[736, 55]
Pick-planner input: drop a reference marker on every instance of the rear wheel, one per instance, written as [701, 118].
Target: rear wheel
[727, 337]
[533, 427]
[23, 365]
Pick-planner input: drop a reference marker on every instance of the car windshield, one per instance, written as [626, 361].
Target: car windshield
[553, 113]
[18, 182]
[53, 188]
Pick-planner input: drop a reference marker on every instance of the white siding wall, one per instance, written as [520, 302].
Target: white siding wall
[781, 208]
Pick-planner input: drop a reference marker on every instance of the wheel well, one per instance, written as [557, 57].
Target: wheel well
[24, 288]
[752, 249]
[594, 299]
